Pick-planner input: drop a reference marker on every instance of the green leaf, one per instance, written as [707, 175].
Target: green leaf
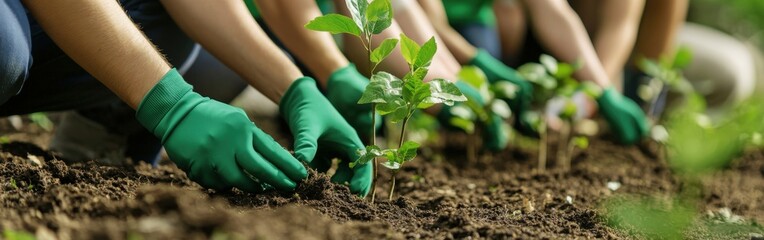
[42, 120]
[580, 142]
[409, 49]
[550, 63]
[379, 16]
[505, 90]
[407, 151]
[366, 155]
[382, 87]
[395, 109]
[415, 91]
[682, 58]
[426, 53]
[568, 110]
[444, 91]
[334, 24]
[465, 125]
[564, 70]
[357, 10]
[383, 50]
[501, 108]
[473, 76]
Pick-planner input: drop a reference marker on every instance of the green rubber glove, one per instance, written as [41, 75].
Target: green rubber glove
[626, 119]
[322, 134]
[496, 71]
[495, 137]
[214, 143]
[344, 88]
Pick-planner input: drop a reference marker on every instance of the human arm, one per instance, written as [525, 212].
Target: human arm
[462, 50]
[617, 33]
[342, 83]
[316, 49]
[561, 31]
[103, 43]
[214, 143]
[227, 30]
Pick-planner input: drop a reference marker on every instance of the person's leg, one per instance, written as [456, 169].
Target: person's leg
[16, 48]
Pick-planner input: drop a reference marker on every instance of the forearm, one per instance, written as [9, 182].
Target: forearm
[316, 49]
[560, 31]
[617, 33]
[660, 24]
[102, 39]
[512, 26]
[227, 30]
[462, 50]
[414, 24]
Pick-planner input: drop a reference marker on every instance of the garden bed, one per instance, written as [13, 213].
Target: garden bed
[498, 197]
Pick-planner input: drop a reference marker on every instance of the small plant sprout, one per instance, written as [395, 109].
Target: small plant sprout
[556, 90]
[696, 147]
[465, 116]
[41, 119]
[389, 95]
[666, 75]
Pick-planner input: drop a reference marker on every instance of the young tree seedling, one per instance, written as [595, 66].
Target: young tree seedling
[389, 95]
[466, 115]
[555, 85]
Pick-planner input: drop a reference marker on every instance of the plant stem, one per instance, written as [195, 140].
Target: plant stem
[373, 140]
[471, 148]
[400, 143]
[542, 146]
[392, 185]
[562, 156]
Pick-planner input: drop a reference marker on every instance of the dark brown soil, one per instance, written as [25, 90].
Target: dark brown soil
[496, 198]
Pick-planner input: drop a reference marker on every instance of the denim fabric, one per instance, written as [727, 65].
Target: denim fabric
[15, 49]
[481, 36]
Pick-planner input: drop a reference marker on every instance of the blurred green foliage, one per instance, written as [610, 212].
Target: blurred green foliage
[738, 17]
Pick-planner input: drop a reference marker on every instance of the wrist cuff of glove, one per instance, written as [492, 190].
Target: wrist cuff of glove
[607, 95]
[346, 70]
[300, 89]
[160, 100]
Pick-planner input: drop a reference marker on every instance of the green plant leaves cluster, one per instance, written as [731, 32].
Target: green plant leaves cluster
[367, 19]
[464, 116]
[668, 72]
[395, 157]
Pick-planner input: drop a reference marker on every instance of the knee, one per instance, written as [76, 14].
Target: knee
[14, 70]
[15, 47]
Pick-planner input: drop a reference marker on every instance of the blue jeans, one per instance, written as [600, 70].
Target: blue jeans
[481, 36]
[36, 75]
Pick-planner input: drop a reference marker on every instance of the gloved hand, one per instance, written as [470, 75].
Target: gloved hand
[495, 137]
[626, 119]
[322, 134]
[496, 71]
[344, 88]
[214, 143]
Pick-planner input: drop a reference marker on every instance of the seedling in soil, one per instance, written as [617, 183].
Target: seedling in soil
[554, 85]
[387, 94]
[41, 119]
[667, 76]
[466, 115]
[697, 147]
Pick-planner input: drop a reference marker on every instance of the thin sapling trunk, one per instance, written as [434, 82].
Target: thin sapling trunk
[563, 142]
[395, 171]
[542, 146]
